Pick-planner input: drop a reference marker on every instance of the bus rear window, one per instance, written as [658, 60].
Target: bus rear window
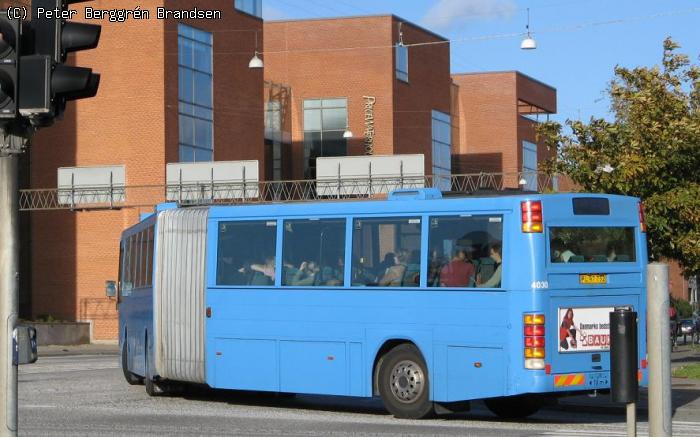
[591, 244]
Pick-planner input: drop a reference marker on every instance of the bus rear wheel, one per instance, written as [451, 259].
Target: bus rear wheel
[131, 379]
[403, 383]
[515, 407]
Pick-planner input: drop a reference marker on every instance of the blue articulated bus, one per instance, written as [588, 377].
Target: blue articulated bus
[424, 299]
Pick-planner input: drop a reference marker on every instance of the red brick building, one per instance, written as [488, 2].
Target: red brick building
[495, 115]
[346, 73]
[143, 120]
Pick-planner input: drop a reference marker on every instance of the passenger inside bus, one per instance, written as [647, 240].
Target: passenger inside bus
[495, 280]
[435, 264]
[307, 274]
[459, 272]
[561, 253]
[394, 275]
[333, 275]
[260, 274]
[386, 264]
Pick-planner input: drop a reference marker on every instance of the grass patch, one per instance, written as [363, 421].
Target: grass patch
[691, 371]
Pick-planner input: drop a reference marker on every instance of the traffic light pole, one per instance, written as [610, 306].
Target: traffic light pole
[10, 147]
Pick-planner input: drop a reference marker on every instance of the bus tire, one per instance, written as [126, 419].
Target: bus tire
[403, 383]
[153, 388]
[131, 379]
[515, 407]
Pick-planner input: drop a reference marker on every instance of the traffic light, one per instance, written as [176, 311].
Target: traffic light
[9, 53]
[51, 40]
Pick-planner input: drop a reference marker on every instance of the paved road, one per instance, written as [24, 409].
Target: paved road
[86, 395]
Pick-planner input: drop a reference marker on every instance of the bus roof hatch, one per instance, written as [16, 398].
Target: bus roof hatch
[415, 194]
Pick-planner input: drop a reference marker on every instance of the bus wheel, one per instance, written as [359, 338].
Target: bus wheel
[403, 383]
[131, 379]
[154, 388]
[515, 407]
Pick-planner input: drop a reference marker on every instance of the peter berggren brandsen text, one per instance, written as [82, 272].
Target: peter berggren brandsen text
[121, 15]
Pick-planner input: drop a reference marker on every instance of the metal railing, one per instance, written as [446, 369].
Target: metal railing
[240, 191]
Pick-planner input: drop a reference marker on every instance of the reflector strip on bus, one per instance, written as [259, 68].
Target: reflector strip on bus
[569, 380]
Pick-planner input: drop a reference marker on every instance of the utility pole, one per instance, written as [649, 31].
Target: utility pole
[11, 146]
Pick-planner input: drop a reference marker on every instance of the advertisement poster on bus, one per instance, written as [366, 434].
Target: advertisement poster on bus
[584, 329]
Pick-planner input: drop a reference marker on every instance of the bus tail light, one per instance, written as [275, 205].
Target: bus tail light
[531, 214]
[642, 222]
[534, 340]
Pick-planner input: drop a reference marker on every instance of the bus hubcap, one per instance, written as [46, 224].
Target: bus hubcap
[407, 381]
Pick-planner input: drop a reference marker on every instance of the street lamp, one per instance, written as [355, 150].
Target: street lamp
[529, 42]
[255, 61]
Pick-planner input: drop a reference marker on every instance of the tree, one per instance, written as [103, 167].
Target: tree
[650, 150]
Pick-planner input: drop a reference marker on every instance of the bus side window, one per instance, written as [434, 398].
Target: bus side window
[460, 249]
[120, 272]
[127, 284]
[246, 254]
[313, 253]
[386, 252]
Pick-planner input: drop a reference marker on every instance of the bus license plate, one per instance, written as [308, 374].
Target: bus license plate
[593, 279]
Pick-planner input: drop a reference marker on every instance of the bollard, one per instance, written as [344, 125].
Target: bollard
[623, 363]
[659, 351]
[623, 355]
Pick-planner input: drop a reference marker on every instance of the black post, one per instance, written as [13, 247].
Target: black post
[623, 355]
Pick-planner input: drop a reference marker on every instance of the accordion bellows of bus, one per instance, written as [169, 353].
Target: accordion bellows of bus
[425, 300]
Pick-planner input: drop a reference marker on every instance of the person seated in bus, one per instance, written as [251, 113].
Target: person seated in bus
[262, 274]
[458, 272]
[611, 252]
[394, 274]
[386, 264]
[560, 253]
[361, 275]
[435, 264]
[333, 275]
[495, 280]
[308, 274]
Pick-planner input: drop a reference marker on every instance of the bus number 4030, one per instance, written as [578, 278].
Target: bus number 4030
[537, 285]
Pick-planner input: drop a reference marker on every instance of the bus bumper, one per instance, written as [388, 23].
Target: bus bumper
[580, 381]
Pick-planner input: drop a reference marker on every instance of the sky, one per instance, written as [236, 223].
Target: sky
[579, 43]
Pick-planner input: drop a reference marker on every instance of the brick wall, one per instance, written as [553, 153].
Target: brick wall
[492, 125]
[352, 58]
[333, 58]
[428, 88]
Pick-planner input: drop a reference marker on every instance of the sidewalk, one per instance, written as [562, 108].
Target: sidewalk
[685, 393]
[82, 349]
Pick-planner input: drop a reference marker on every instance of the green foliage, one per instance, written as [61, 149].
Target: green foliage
[650, 150]
[683, 308]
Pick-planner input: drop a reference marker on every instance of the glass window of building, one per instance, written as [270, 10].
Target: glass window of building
[530, 165]
[273, 137]
[386, 252]
[442, 150]
[314, 253]
[402, 62]
[252, 7]
[460, 250]
[325, 121]
[246, 254]
[196, 106]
